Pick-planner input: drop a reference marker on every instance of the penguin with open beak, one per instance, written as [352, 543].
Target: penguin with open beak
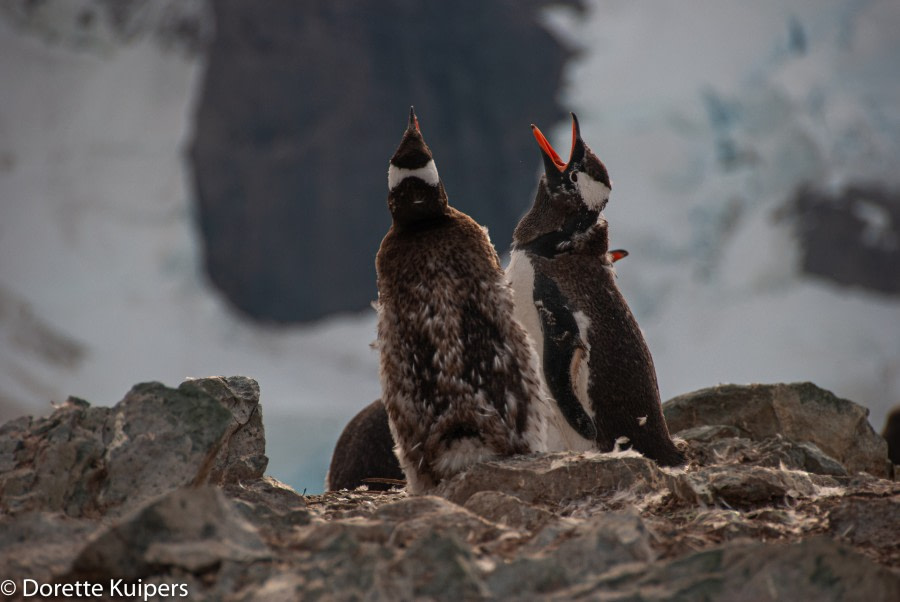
[595, 360]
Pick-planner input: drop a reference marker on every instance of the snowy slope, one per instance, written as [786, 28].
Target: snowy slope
[706, 113]
[100, 283]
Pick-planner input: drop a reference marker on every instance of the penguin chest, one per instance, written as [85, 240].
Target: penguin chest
[520, 274]
[560, 334]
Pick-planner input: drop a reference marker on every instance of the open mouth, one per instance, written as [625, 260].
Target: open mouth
[548, 150]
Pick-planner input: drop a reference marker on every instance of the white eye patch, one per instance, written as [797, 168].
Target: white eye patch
[427, 173]
[594, 192]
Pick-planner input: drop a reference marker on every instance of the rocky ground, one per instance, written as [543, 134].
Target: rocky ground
[788, 496]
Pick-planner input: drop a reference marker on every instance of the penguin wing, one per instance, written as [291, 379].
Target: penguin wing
[563, 353]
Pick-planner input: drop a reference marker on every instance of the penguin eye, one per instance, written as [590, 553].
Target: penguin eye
[573, 176]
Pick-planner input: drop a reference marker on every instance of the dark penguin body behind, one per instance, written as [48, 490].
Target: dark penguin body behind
[595, 360]
[364, 453]
[891, 434]
[459, 376]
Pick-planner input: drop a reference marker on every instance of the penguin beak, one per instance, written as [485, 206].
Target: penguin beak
[547, 150]
[554, 166]
[617, 254]
[578, 148]
[413, 120]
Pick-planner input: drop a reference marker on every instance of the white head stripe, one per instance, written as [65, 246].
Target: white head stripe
[428, 174]
[594, 192]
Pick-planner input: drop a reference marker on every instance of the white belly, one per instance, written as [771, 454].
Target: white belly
[520, 274]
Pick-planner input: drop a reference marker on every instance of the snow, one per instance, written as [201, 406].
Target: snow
[97, 245]
[707, 115]
[707, 125]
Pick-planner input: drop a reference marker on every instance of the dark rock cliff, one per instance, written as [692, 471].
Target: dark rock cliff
[851, 236]
[302, 107]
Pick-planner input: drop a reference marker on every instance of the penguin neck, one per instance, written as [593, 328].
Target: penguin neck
[415, 204]
[547, 225]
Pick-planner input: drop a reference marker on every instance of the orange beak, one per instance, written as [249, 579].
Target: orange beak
[545, 145]
[548, 150]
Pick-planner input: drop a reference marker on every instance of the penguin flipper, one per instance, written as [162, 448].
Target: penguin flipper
[563, 354]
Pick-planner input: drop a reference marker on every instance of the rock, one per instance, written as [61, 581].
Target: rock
[279, 506]
[814, 569]
[508, 510]
[191, 529]
[874, 522]
[435, 567]
[56, 463]
[742, 486]
[801, 412]
[86, 461]
[41, 545]
[459, 524]
[746, 519]
[242, 453]
[773, 452]
[593, 547]
[848, 237]
[709, 432]
[556, 477]
[408, 508]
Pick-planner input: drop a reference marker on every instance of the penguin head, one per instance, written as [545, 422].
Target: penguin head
[583, 181]
[570, 196]
[415, 191]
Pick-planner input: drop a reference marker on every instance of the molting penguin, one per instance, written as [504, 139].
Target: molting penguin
[459, 376]
[595, 361]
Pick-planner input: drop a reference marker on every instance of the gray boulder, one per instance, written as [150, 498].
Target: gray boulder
[800, 412]
[90, 462]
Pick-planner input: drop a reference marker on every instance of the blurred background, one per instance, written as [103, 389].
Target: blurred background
[198, 187]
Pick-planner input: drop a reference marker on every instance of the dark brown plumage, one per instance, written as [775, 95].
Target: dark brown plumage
[594, 357]
[365, 450]
[459, 377]
[891, 434]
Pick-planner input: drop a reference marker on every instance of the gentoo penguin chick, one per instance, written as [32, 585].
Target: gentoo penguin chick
[459, 376]
[595, 361]
[365, 450]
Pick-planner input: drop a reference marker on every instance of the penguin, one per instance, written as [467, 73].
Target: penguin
[891, 434]
[364, 453]
[460, 379]
[596, 363]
